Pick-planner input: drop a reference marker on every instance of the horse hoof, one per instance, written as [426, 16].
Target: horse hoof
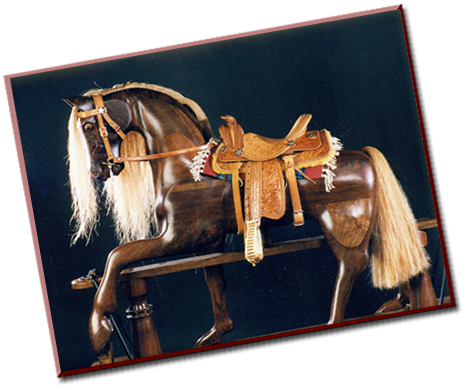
[101, 330]
[214, 336]
[210, 338]
[395, 304]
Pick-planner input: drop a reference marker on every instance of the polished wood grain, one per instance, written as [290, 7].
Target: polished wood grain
[356, 216]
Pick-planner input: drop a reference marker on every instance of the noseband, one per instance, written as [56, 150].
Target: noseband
[101, 114]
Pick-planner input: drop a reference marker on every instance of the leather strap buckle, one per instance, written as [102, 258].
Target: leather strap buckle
[103, 132]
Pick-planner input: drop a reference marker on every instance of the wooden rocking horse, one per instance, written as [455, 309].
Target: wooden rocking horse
[142, 140]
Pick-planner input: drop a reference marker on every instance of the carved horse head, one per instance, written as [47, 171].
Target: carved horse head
[119, 136]
[104, 126]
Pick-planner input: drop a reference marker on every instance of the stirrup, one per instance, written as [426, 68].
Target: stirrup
[253, 243]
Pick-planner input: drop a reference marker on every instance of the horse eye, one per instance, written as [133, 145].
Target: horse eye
[88, 127]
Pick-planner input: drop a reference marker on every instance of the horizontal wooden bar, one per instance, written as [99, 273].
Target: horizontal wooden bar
[188, 263]
[217, 258]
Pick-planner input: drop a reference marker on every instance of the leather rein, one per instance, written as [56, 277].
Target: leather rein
[101, 114]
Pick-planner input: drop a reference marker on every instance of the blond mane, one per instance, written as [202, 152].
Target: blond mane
[129, 197]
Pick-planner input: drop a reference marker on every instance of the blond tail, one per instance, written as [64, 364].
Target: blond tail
[397, 253]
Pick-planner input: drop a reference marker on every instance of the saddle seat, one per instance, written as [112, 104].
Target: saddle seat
[264, 163]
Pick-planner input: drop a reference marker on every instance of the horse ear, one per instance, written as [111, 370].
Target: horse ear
[69, 102]
[120, 112]
[81, 102]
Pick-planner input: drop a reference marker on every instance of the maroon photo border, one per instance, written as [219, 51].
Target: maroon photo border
[258, 343]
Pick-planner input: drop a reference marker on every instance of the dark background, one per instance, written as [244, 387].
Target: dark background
[352, 75]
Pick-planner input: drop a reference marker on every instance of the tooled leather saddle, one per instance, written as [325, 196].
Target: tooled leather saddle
[261, 164]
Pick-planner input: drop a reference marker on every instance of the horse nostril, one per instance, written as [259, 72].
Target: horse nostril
[95, 171]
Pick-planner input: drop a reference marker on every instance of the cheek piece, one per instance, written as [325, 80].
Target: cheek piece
[101, 114]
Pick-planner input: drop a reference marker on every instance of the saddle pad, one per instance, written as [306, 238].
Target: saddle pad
[312, 172]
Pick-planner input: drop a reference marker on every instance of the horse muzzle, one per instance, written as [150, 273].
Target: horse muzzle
[107, 170]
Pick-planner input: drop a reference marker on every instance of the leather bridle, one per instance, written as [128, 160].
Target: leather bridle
[101, 114]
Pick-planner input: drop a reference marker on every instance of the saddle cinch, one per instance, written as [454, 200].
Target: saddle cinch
[261, 164]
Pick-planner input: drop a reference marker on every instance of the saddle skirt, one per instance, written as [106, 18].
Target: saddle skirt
[261, 165]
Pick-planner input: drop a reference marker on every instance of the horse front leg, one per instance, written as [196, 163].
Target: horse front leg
[105, 301]
[215, 280]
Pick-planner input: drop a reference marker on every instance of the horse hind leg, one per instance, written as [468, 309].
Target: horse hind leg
[347, 228]
[416, 293]
[397, 254]
[351, 263]
[398, 303]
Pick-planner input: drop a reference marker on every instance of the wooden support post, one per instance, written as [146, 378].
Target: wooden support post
[144, 335]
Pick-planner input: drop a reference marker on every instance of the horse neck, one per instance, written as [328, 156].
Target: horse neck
[159, 121]
[168, 127]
